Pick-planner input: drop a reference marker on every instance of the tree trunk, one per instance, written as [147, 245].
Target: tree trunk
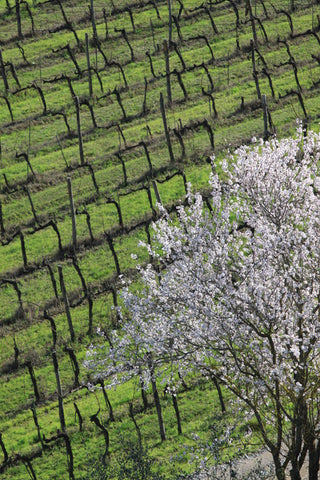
[176, 409]
[314, 457]
[108, 403]
[221, 400]
[157, 400]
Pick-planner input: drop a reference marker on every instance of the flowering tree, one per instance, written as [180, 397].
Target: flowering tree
[234, 290]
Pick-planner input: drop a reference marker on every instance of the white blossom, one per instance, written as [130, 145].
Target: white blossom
[234, 293]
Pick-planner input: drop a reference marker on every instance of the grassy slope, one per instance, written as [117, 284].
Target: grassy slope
[36, 133]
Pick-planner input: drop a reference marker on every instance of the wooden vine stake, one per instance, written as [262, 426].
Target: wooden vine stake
[265, 117]
[93, 22]
[73, 214]
[166, 131]
[170, 23]
[88, 65]
[2, 229]
[168, 79]
[79, 130]
[252, 21]
[18, 17]
[254, 70]
[3, 73]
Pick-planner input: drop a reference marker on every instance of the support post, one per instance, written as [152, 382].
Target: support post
[73, 214]
[66, 303]
[79, 130]
[166, 131]
[88, 65]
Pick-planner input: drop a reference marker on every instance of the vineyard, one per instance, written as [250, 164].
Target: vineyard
[108, 107]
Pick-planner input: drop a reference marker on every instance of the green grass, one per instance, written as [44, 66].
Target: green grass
[36, 134]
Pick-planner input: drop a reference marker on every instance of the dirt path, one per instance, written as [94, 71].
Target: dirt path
[248, 466]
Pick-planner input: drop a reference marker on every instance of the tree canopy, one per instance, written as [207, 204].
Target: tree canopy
[233, 291]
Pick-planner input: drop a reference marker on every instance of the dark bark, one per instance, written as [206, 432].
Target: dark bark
[59, 391]
[23, 250]
[254, 70]
[73, 214]
[168, 75]
[131, 414]
[212, 104]
[124, 170]
[265, 117]
[4, 74]
[151, 65]
[125, 37]
[18, 18]
[88, 65]
[107, 400]
[66, 303]
[213, 25]
[16, 353]
[176, 409]
[75, 366]
[114, 254]
[166, 131]
[93, 22]
[128, 9]
[36, 422]
[25, 188]
[4, 450]
[33, 380]
[96, 421]
[144, 103]
[156, 399]
[156, 191]
[53, 280]
[2, 229]
[177, 24]
[147, 156]
[118, 97]
[105, 22]
[181, 84]
[26, 157]
[9, 106]
[252, 20]
[68, 23]
[67, 442]
[170, 23]
[77, 104]
[221, 400]
[78, 414]
[46, 316]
